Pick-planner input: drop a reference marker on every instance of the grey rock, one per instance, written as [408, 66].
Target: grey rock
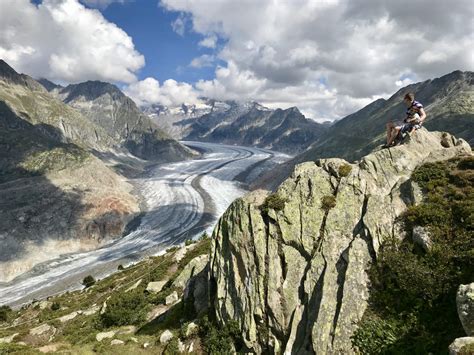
[156, 286]
[194, 267]
[465, 306]
[191, 329]
[42, 329]
[166, 336]
[117, 342]
[68, 317]
[462, 346]
[295, 279]
[8, 339]
[422, 237]
[105, 335]
[172, 298]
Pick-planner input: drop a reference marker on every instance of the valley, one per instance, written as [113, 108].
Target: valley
[182, 200]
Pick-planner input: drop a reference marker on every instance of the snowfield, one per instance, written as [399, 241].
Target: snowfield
[182, 200]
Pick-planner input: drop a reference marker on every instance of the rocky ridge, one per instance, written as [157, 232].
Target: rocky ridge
[291, 268]
[109, 108]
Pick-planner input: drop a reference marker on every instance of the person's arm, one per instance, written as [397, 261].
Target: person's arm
[422, 115]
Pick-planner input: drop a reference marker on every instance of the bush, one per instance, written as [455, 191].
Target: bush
[5, 312]
[189, 242]
[328, 202]
[120, 267]
[413, 296]
[125, 309]
[344, 170]
[220, 340]
[273, 202]
[88, 281]
[55, 306]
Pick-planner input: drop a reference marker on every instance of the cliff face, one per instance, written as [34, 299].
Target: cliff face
[292, 269]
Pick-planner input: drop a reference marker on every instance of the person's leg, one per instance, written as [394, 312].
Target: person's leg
[390, 127]
[394, 134]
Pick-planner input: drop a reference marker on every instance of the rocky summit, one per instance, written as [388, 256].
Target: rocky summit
[292, 267]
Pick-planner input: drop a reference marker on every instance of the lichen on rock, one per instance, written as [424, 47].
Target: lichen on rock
[295, 278]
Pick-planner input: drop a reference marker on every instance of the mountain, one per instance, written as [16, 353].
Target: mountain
[294, 269]
[448, 102]
[109, 108]
[56, 196]
[248, 124]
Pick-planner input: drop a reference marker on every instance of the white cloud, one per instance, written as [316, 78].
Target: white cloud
[362, 49]
[65, 41]
[202, 61]
[179, 25]
[102, 4]
[209, 41]
[171, 93]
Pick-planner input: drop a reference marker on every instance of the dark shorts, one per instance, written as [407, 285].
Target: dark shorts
[407, 127]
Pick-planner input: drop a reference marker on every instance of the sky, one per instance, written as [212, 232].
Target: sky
[327, 57]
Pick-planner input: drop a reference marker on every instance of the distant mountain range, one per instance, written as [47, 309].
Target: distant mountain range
[247, 124]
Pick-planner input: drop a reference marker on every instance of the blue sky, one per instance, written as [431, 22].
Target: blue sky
[167, 53]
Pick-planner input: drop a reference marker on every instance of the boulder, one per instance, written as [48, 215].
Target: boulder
[465, 306]
[117, 342]
[292, 272]
[166, 336]
[92, 310]
[194, 267]
[172, 298]
[44, 304]
[42, 329]
[181, 346]
[155, 286]
[8, 339]
[191, 329]
[105, 335]
[68, 317]
[422, 237]
[462, 346]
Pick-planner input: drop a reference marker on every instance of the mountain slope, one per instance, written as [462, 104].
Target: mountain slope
[106, 106]
[248, 124]
[55, 196]
[291, 268]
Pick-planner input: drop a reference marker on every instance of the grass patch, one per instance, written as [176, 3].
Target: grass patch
[328, 202]
[344, 170]
[413, 299]
[273, 202]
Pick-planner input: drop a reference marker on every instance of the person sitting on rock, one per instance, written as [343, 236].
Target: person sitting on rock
[415, 116]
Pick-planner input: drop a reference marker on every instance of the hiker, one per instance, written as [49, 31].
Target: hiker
[415, 117]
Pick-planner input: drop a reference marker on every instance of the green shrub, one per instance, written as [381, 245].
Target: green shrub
[124, 309]
[328, 202]
[88, 281]
[120, 267]
[344, 170]
[55, 306]
[172, 348]
[413, 295]
[5, 312]
[188, 242]
[220, 340]
[273, 202]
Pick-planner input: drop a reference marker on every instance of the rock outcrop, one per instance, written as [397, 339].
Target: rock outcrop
[465, 305]
[292, 269]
